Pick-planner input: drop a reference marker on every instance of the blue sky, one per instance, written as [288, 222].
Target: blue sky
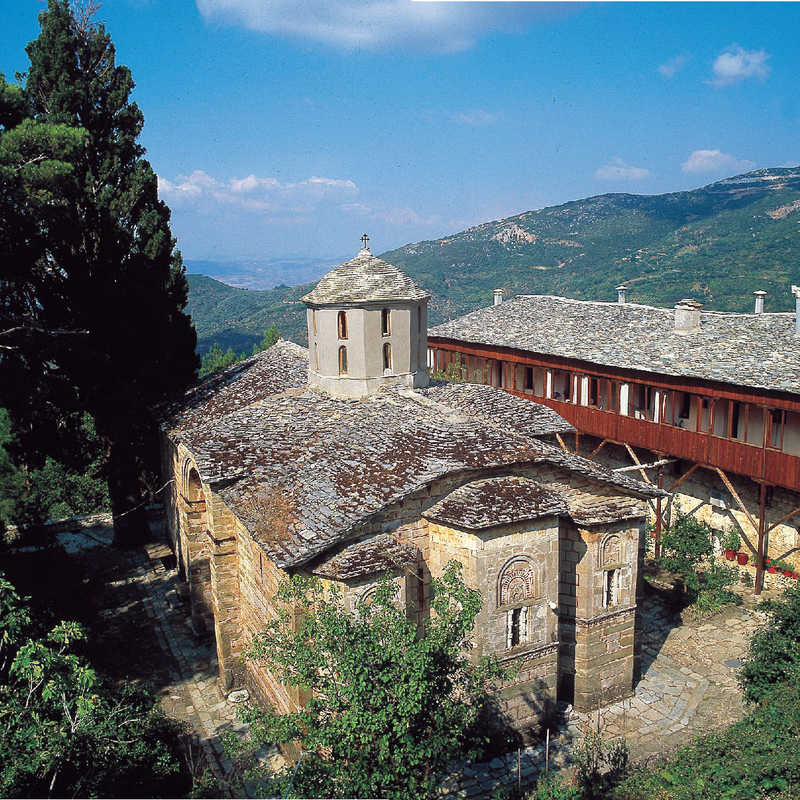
[285, 128]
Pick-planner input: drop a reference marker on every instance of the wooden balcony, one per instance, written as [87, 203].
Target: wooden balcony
[758, 463]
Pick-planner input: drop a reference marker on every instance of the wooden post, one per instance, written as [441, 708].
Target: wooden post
[547, 752]
[657, 549]
[760, 549]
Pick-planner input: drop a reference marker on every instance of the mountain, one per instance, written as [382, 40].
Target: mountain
[264, 273]
[237, 317]
[717, 244]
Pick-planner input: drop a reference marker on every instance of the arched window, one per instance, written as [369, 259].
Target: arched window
[386, 322]
[612, 551]
[343, 360]
[342, 325]
[517, 583]
[387, 356]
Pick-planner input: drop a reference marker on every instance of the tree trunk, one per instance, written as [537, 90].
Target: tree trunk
[128, 496]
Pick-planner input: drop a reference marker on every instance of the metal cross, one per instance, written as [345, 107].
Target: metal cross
[365, 239]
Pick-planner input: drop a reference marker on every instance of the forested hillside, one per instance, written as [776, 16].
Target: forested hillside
[717, 244]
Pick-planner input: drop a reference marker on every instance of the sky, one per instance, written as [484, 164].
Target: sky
[287, 128]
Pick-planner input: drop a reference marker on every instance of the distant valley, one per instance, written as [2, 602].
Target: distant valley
[717, 244]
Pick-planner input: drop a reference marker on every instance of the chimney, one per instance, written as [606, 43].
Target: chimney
[796, 293]
[621, 290]
[498, 296]
[687, 316]
[759, 295]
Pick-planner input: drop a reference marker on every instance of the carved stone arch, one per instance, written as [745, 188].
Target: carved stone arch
[519, 580]
[611, 550]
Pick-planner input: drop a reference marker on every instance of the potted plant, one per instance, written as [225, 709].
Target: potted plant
[742, 559]
[785, 568]
[730, 543]
[771, 566]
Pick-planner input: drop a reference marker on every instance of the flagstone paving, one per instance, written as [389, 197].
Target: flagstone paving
[688, 685]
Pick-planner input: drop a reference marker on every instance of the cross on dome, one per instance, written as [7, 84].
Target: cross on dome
[364, 239]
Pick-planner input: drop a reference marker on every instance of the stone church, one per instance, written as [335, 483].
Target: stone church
[346, 462]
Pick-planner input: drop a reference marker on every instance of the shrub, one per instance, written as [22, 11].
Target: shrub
[599, 765]
[774, 651]
[684, 545]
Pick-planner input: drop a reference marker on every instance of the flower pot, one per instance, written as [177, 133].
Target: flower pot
[652, 534]
[795, 575]
[730, 554]
[742, 559]
[772, 569]
[787, 573]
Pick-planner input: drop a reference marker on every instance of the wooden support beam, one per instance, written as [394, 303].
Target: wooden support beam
[598, 448]
[760, 549]
[651, 465]
[735, 495]
[657, 548]
[784, 519]
[638, 463]
[682, 478]
[561, 442]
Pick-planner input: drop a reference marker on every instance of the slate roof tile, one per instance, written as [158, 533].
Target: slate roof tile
[756, 350]
[365, 279]
[496, 501]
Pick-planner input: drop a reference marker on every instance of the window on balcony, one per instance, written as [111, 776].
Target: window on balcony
[775, 431]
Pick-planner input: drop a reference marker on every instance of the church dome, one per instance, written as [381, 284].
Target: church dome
[365, 279]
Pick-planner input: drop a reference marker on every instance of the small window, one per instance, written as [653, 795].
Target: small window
[610, 587]
[343, 360]
[314, 321]
[342, 325]
[386, 322]
[387, 356]
[516, 626]
[316, 357]
[529, 378]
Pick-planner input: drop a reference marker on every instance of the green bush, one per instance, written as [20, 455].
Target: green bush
[756, 757]
[65, 732]
[774, 652]
[684, 546]
[599, 765]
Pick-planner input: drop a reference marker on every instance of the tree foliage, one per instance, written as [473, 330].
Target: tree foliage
[216, 359]
[65, 732]
[388, 706]
[92, 302]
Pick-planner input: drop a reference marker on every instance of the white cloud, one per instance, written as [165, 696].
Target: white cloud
[736, 64]
[715, 161]
[476, 117]
[256, 194]
[618, 170]
[374, 24]
[673, 65]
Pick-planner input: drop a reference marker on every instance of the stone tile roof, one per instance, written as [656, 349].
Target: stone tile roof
[496, 501]
[589, 510]
[756, 350]
[331, 464]
[365, 278]
[282, 366]
[303, 470]
[497, 407]
[379, 554]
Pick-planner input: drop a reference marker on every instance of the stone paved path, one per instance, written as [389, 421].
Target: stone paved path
[686, 688]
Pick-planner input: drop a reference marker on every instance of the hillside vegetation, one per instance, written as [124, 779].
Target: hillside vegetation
[717, 244]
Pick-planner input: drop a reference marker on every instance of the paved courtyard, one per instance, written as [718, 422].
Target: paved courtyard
[688, 684]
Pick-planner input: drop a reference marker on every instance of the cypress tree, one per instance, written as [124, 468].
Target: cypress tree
[112, 271]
